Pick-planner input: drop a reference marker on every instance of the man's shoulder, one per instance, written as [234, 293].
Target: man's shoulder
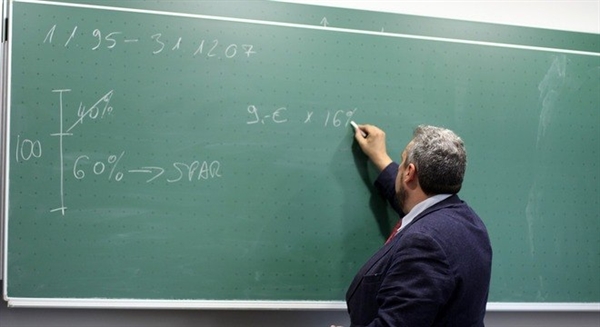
[445, 218]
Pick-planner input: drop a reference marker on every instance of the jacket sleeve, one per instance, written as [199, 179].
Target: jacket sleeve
[417, 284]
[386, 185]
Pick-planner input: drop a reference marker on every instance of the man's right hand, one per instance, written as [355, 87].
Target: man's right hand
[373, 145]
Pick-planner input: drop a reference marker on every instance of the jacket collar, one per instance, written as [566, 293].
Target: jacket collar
[450, 201]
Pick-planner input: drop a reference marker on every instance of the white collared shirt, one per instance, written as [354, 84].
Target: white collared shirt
[420, 207]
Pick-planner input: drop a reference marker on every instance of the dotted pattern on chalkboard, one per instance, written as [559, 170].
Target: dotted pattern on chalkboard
[238, 176]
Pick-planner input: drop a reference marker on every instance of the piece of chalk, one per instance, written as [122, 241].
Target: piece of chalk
[356, 127]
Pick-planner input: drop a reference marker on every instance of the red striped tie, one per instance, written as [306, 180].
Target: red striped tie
[394, 231]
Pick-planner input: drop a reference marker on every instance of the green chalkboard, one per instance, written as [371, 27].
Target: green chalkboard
[201, 151]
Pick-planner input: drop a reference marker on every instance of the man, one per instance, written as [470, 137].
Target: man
[435, 269]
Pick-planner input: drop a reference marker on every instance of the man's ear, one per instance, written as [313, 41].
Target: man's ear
[410, 174]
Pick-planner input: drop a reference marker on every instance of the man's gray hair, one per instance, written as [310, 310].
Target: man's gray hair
[440, 158]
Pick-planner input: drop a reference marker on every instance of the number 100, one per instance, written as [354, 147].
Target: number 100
[27, 149]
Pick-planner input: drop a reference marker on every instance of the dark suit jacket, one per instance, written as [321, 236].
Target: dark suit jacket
[435, 272]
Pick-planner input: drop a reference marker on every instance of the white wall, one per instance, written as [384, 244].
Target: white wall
[568, 15]
[574, 15]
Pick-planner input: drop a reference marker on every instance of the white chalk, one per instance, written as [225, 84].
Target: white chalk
[356, 127]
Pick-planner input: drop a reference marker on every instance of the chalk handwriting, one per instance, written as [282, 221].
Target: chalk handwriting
[112, 168]
[109, 167]
[110, 40]
[98, 110]
[180, 171]
[275, 116]
[175, 172]
[331, 118]
[61, 136]
[100, 166]
[27, 149]
[114, 40]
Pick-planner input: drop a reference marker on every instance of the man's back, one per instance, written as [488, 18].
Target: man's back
[435, 272]
[464, 240]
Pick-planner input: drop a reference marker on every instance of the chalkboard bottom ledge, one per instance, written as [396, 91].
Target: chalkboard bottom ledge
[267, 305]
[173, 304]
[543, 307]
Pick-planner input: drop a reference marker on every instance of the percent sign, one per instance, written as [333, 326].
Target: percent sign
[114, 161]
[100, 167]
[95, 110]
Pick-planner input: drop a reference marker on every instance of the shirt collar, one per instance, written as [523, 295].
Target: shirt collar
[420, 207]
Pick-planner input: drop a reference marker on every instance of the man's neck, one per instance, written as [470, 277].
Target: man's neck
[413, 199]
